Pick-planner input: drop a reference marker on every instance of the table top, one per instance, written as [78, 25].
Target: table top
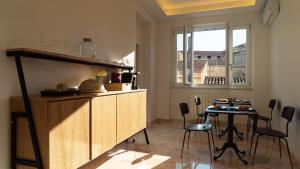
[231, 110]
[234, 102]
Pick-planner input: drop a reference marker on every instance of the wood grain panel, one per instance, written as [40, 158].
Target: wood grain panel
[70, 130]
[68, 133]
[131, 114]
[141, 112]
[104, 117]
[24, 143]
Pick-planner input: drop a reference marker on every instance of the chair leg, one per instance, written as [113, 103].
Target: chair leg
[279, 143]
[198, 119]
[251, 143]
[209, 147]
[218, 123]
[270, 126]
[255, 149]
[213, 140]
[288, 149]
[183, 143]
[188, 140]
[201, 119]
[248, 126]
[215, 123]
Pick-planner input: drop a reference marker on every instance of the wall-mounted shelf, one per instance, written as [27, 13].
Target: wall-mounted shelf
[39, 54]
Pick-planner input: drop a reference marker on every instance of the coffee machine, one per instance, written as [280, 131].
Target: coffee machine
[129, 77]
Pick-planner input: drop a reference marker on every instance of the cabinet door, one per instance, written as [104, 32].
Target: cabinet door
[104, 118]
[68, 133]
[131, 114]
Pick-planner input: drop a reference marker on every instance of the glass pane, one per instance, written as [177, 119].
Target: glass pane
[238, 69]
[189, 58]
[179, 60]
[210, 57]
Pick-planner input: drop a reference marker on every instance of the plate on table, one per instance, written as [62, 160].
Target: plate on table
[243, 108]
[218, 107]
[222, 100]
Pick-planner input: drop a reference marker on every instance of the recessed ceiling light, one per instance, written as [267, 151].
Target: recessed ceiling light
[176, 7]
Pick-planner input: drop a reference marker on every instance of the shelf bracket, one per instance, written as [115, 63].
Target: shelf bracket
[29, 116]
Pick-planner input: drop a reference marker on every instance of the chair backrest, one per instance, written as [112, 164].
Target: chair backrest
[184, 108]
[288, 114]
[272, 104]
[197, 101]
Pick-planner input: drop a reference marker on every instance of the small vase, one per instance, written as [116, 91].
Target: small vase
[102, 87]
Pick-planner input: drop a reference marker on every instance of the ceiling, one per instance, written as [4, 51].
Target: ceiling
[168, 9]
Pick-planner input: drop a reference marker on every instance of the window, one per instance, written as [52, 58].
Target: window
[238, 69]
[212, 56]
[179, 58]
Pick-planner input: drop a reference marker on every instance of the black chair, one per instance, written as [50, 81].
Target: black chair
[268, 120]
[201, 115]
[287, 113]
[194, 127]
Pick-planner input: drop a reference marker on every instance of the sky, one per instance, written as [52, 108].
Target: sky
[213, 40]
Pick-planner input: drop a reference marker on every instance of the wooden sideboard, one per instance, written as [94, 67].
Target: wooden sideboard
[73, 130]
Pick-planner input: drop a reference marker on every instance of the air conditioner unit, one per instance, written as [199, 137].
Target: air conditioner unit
[270, 11]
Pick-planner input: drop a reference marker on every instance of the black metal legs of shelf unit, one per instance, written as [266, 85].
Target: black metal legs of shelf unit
[14, 160]
[13, 139]
[28, 115]
[146, 136]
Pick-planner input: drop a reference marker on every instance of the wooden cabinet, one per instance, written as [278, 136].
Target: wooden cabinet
[68, 125]
[62, 130]
[72, 130]
[104, 117]
[131, 114]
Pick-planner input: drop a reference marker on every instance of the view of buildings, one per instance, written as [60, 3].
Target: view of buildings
[209, 67]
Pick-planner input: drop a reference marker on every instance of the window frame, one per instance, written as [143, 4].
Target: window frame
[248, 54]
[175, 31]
[229, 39]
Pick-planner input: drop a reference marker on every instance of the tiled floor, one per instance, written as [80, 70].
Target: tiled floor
[165, 147]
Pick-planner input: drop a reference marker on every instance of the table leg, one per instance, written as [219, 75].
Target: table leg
[230, 142]
[223, 132]
[238, 134]
[239, 152]
[225, 146]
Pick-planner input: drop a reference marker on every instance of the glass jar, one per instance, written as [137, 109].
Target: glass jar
[88, 48]
[116, 76]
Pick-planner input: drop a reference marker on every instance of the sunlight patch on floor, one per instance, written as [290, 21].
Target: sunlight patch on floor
[132, 160]
[193, 165]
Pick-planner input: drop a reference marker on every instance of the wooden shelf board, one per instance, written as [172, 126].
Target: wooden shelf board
[39, 54]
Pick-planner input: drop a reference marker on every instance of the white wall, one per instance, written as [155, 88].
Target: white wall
[6, 73]
[110, 23]
[168, 98]
[146, 31]
[285, 59]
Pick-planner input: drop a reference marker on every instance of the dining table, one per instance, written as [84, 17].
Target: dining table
[231, 111]
[232, 102]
